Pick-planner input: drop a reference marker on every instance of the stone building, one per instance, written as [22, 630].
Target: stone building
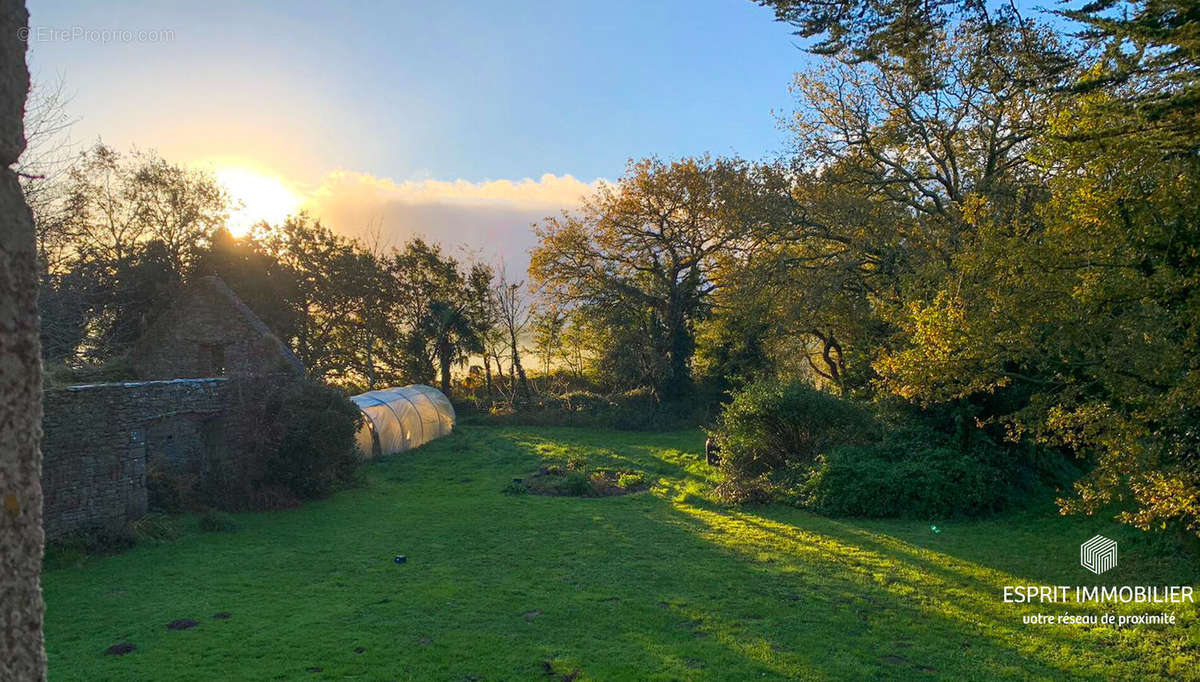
[208, 332]
[201, 415]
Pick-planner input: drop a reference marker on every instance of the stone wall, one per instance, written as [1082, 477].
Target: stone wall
[102, 440]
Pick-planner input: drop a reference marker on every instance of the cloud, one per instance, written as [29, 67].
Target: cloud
[488, 220]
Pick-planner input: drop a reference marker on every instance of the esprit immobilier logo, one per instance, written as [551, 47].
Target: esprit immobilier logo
[1098, 554]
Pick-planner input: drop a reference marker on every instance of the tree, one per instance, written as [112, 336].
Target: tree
[820, 285]
[1149, 65]
[43, 169]
[890, 162]
[133, 224]
[22, 654]
[115, 202]
[327, 277]
[900, 34]
[549, 322]
[442, 310]
[640, 256]
[929, 143]
[513, 309]
[1024, 234]
[866, 30]
[1089, 308]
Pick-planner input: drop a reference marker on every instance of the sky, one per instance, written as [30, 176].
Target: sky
[459, 120]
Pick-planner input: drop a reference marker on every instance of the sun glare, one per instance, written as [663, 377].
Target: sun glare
[256, 197]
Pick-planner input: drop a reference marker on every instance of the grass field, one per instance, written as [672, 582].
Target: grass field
[663, 584]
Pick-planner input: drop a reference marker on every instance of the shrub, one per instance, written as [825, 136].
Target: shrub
[585, 401]
[773, 427]
[119, 368]
[898, 477]
[793, 443]
[737, 490]
[108, 539]
[316, 452]
[217, 522]
[155, 527]
[631, 479]
[515, 487]
[577, 484]
[636, 410]
[75, 549]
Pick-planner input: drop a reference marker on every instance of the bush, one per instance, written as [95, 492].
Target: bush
[793, 443]
[636, 410]
[773, 427]
[577, 484]
[217, 522]
[97, 540]
[584, 401]
[155, 527]
[631, 480]
[316, 452]
[119, 368]
[735, 490]
[898, 477]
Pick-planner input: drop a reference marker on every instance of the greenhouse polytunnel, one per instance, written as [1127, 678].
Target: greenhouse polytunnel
[400, 419]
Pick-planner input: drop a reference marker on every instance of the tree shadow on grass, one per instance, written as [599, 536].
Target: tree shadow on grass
[867, 585]
[928, 590]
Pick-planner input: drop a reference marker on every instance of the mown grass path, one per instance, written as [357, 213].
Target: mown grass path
[660, 585]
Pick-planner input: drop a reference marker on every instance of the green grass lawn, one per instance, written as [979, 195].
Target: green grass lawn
[663, 584]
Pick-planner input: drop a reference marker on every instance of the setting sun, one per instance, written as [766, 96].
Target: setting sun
[256, 197]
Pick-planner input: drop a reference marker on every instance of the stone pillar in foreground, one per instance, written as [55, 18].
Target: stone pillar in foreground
[22, 655]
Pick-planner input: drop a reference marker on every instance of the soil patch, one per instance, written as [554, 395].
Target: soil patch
[556, 481]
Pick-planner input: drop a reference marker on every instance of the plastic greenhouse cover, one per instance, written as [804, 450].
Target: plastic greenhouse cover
[402, 418]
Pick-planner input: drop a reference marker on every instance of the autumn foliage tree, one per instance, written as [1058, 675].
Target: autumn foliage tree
[642, 257]
[1038, 226]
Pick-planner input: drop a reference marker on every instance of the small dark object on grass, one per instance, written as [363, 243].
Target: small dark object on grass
[315, 669]
[182, 624]
[712, 452]
[119, 649]
[400, 558]
[359, 650]
[224, 615]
